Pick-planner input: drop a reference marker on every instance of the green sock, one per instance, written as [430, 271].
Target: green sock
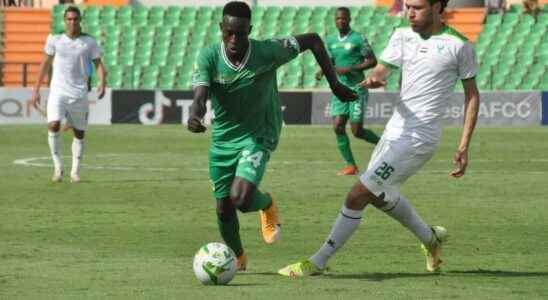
[259, 201]
[369, 136]
[343, 143]
[230, 232]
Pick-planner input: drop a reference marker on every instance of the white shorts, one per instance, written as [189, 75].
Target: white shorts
[76, 111]
[392, 162]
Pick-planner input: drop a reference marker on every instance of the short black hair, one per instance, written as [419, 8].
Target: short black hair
[345, 9]
[73, 9]
[442, 2]
[237, 9]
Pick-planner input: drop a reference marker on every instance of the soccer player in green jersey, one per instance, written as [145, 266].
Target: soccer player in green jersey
[351, 54]
[239, 75]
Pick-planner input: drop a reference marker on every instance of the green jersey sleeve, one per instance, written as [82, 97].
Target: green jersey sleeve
[203, 68]
[366, 50]
[328, 43]
[284, 49]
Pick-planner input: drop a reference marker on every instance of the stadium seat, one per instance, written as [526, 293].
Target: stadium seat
[509, 44]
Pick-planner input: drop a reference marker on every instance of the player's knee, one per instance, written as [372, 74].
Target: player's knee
[357, 131]
[54, 126]
[339, 129]
[387, 200]
[225, 210]
[358, 197]
[240, 199]
[79, 134]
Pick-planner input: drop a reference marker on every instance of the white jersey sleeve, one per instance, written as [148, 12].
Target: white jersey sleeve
[393, 53]
[468, 66]
[49, 49]
[95, 51]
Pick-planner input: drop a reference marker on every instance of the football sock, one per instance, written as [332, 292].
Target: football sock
[343, 143]
[77, 153]
[403, 212]
[347, 222]
[54, 141]
[259, 201]
[368, 135]
[230, 232]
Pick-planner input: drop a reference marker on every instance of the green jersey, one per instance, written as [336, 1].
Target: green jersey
[349, 50]
[245, 98]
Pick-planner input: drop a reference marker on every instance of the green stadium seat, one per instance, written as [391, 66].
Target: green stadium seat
[493, 20]
[124, 13]
[58, 10]
[172, 17]
[510, 85]
[146, 33]
[108, 15]
[515, 8]
[543, 18]
[148, 83]
[151, 71]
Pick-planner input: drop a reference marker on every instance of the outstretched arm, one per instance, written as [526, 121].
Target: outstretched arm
[198, 109]
[313, 42]
[376, 78]
[368, 63]
[471, 108]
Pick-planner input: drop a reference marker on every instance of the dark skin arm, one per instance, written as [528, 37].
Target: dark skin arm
[308, 41]
[368, 63]
[313, 42]
[198, 109]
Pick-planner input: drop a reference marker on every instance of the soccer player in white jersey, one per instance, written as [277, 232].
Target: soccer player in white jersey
[70, 54]
[432, 58]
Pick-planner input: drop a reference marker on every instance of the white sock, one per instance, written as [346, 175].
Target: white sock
[54, 141]
[403, 212]
[77, 154]
[347, 222]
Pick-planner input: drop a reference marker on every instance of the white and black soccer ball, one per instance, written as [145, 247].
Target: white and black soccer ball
[215, 264]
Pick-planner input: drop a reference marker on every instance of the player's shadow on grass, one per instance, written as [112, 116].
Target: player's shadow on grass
[479, 272]
[498, 273]
[258, 273]
[378, 276]
[243, 284]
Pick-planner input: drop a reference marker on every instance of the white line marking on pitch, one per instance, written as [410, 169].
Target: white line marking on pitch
[35, 162]
[32, 162]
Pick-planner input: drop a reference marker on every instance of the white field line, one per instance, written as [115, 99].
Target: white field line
[38, 162]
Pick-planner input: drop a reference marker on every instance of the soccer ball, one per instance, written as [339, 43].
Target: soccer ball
[215, 264]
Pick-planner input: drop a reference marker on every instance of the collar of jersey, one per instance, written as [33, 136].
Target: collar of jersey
[230, 64]
[73, 39]
[443, 30]
[345, 37]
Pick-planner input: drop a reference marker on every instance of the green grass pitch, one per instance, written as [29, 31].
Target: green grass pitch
[131, 228]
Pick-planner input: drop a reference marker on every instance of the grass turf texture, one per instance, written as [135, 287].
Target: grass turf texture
[130, 232]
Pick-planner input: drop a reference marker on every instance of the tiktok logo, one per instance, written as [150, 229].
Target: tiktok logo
[153, 113]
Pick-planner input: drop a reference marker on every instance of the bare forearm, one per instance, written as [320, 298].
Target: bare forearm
[366, 64]
[313, 42]
[102, 74]
[198, 107]
[44, 68]
[380, 71]
[471, 109]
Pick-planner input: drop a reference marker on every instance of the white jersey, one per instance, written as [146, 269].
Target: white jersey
[430, 69]
[71, 63]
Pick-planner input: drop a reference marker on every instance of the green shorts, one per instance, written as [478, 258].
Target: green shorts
[248, 162]
[354, 110]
